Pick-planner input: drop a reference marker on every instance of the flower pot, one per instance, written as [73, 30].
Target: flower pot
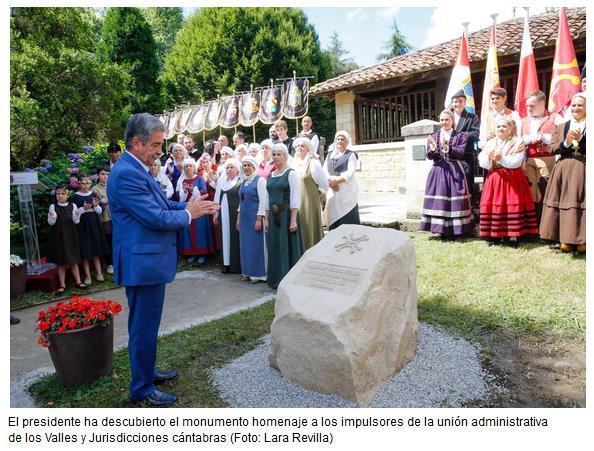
[18, 280]
[81, 356]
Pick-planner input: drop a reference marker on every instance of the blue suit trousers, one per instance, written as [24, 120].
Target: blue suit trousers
[145, 303]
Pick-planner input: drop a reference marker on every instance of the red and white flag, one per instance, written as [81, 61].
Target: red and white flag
[527, 78]
[565, 81]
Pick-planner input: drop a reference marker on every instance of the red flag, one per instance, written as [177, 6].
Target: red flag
[527, 78]
[565, 81]
[491, 76]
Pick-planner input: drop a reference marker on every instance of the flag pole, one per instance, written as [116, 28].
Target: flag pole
[254, 124]
[296, 120]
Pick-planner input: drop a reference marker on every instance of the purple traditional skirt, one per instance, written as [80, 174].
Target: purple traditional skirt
[447, 206]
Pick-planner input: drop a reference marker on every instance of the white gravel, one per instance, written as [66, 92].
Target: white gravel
[445, 372]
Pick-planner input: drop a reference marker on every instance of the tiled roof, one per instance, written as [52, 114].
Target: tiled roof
[543, 31]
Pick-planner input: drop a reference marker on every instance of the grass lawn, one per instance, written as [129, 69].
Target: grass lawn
[466, 286]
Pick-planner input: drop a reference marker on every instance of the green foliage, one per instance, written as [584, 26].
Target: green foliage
[127, 39]
[222, 50]
[61, 95]
[52, 29]
[397, 45]
[339, 61]
[165, 23]
[61, 169]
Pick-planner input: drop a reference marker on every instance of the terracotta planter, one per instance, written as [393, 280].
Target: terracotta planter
[18, 280]
[83, 355]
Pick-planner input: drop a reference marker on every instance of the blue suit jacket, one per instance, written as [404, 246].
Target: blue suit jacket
[144, 226]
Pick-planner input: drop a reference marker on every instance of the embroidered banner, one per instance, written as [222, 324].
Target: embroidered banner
[271, 107]
[182, 120]
[213, 115]
[250, 106]
[170, 132]
[230, 112]
[296, 98]
[196, 121]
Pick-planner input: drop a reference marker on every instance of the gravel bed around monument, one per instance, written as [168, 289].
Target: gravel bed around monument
[445, 372]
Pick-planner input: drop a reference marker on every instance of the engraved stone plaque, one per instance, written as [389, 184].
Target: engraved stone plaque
[418, 153]
[335, 278]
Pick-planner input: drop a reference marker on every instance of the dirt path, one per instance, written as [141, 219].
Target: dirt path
[536, 371]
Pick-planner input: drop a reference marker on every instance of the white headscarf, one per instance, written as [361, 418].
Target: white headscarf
[251, 160]
[282, 148]
[226, 149]
[346, 136]
[233, 162]
[302, 140]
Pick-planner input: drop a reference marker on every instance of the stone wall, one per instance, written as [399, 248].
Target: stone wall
[382, 168]
[345, 113]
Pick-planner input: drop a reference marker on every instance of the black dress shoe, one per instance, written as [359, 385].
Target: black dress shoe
[14, 320]
[164, 376]
[159, 399]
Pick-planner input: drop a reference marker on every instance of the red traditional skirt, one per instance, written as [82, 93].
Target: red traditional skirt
[507, 207]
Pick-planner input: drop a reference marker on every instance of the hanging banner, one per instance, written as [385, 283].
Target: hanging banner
[164, 118]
[213, 115]
[182, 120]
[271, 107]
[230, 112]
[296, 98]
[250, 106]
[196, 121]
[170, 132]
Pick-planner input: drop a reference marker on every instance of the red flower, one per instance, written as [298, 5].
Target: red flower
[78, 313]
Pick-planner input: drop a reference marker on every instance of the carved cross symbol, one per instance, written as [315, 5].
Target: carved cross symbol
[351, 243]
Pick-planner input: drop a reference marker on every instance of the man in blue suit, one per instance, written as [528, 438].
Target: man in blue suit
[145, 249]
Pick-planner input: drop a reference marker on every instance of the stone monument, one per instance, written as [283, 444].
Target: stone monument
[346, 314]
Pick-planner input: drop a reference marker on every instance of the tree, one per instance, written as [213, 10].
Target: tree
[222, 50]
[61, 96]
[339, 61]
[397, 45]
[127, 40]
[165, 23]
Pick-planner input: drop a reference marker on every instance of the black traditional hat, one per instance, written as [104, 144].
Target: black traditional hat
[459, 93]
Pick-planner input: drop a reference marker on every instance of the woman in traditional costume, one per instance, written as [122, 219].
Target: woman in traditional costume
[161, 178]
[312, 182]
[174, 166]
[564, 206]
[251, 222]
[283, 240]
[266, 165]
[227, 196]
[195, 240]
[342, 197]
[507, 208]
[447, 207]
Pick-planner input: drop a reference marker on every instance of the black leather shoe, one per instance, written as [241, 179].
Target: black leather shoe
[159, 399]
[14, 320]
[164, 376]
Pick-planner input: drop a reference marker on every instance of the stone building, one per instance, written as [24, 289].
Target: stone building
[374, 103]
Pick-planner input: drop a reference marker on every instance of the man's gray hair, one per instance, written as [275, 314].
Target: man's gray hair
[142, 125]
